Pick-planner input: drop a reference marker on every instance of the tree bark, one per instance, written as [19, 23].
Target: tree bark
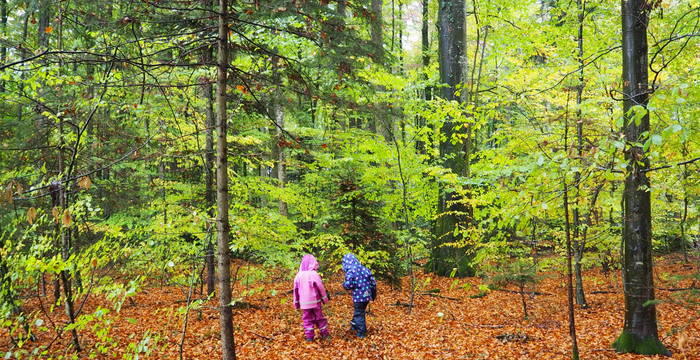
[425, 57]
[278, 113]
[65, 242]
[580, 294]
[3, 48]
[209, 196]
[452, 57]
[640, 334]
[376, 27]
[228, 348]
[569, 274]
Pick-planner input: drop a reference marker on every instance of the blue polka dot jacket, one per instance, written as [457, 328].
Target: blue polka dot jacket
[359, 279]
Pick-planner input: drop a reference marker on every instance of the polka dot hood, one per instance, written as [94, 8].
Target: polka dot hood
[359, 279]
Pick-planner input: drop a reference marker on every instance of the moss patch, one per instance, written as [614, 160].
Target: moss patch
[629, 343]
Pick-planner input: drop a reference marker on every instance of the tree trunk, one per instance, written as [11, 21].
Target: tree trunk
[43, 23]
[376, 28]
[342, 5]
[65, 242]
[425, 57]
[278, 113]
[3, 48]
[569, 274]
[580, 294]
[228, 348]
[452, 57]
[684, 217]
[210, 123]
[640, 334]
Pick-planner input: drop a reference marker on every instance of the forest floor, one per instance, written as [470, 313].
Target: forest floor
[448, 324]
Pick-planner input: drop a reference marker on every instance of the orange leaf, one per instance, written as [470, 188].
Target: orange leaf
[31, 215]
[48, 29]
[85, 182]
[66, 218]
[55, 212]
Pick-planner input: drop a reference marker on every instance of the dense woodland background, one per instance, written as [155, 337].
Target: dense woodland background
[145, 143]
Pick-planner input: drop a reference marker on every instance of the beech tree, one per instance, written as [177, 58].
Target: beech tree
[640, 334]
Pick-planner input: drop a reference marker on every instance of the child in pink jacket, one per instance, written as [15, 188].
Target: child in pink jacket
[309, 294]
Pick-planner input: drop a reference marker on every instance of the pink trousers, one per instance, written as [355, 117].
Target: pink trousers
[314, 317]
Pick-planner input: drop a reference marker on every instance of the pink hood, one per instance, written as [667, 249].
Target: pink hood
[308, 262]
[309, 291]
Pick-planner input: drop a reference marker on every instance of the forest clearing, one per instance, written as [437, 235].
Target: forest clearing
[349, 179]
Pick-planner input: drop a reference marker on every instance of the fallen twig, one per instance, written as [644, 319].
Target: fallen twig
[531, 293]
[439, 296]
[261, 336]
[489, 326]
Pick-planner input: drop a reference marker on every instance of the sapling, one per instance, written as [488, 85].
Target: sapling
[520, 273]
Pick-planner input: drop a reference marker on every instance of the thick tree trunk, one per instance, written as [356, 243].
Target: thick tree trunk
[640, 334]
[228, 348]
[43, 23]
[342, 5]
[452, 56]
[376, 27]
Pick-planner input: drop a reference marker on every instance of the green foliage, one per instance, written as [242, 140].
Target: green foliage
[120, 96]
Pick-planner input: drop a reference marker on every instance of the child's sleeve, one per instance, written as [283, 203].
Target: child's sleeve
[349, 283]
[373, 287]
[321, 291]
[296, 294]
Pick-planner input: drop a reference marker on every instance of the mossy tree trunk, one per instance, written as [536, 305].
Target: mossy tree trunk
[454, 155]
[640, 334]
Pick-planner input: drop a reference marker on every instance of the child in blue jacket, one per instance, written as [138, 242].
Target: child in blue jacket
[360, 281]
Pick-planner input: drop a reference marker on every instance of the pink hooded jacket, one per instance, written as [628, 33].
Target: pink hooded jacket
[309, 291]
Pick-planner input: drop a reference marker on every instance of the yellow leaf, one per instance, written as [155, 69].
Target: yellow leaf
[7, 195]
[85, 182]
[19, 189]
[48, 29]
[55, 212]
[31, 215]
[66, 218]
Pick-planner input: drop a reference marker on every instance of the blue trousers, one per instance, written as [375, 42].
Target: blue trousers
[358, 323]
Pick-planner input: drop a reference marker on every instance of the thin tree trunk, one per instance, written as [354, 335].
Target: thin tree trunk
[278, 113]
[684, 217]
[210, 123]
[640, 333]
[569, 274]
[228, 348]
[3, 48]
[580, 294]
[425, 57]
[65, 242]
